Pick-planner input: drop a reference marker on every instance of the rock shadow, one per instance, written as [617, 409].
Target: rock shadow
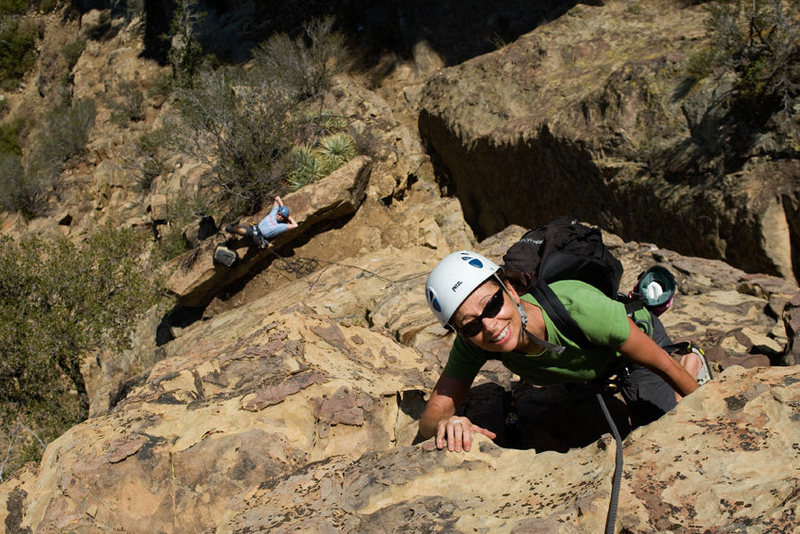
[456, 30]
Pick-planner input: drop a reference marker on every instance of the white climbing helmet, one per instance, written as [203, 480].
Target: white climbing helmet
[451, 282]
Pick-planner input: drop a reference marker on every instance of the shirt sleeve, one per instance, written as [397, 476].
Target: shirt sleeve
[604, 321]
[465, 360]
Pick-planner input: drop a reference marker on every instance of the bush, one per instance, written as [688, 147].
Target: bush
[127, 107]
[65, 131]
[17, 50]
[171, 244]
[304, 71]
[24, 189]
[240, 129]
[162, 88]
[9, 137]
[58, 303]
[337, 150]
[46, 6]
[759, 40]
[239, 121]
[185, 53]
[149, 164]
[13, 7]
[305, 167]
[72, 52]
[180, 213]
[24, 186]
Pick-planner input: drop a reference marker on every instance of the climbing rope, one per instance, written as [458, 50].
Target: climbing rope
[611, 517]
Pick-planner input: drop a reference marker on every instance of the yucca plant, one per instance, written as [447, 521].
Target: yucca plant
[308, 164]
[337, 149]
[305, 167]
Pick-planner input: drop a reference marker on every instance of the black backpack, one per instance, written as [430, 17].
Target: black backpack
[566, 249]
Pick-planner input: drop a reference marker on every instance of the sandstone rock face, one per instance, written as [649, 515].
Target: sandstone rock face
[292, 403]
[588, 115]
[267, 392]
[197, 277]
[732, 445]
[298, 410]
[290, 421]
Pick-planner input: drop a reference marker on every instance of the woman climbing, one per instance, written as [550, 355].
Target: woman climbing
[493, 317]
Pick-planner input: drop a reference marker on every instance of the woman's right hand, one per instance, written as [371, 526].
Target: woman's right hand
[457, 432]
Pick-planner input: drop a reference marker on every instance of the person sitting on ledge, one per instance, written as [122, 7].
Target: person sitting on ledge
[276, 222]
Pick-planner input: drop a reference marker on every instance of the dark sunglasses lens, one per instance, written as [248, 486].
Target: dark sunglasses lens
[494, 305]
[471, 328]
[491, 309]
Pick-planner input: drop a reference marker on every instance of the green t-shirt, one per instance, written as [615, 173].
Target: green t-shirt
[603, 321]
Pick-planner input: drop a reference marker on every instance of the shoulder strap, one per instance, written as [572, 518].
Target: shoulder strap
[559, 314]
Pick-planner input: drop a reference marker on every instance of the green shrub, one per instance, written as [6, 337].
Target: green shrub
[312, 126]
[162, 88]
[17, 50]
[170, 244]
[149, 169]
[185, 53]
[758, 40]
[11, 180]
[337, 149]
[65, 131]
[46, 6]
[329, 121]
[307, 164]
[13, 7]
[128, 106]
[239, 121]
[25, 187]
[9, 137]
[240, 129]
[305, 167]
[72, 52]
[58, 303]
[180, 213]
[303, 70]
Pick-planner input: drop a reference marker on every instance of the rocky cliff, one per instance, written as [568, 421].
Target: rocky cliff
[595, 110]
[289, 401]
[298, 410]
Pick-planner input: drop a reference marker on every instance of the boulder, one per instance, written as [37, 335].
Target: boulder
[601, 124]
[158, 208]
[244, 401]
[197, 278]
[732, 444]
[290, 421]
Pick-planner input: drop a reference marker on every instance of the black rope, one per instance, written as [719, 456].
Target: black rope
[611, 518]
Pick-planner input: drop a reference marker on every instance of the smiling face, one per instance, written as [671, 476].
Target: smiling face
[499, 333]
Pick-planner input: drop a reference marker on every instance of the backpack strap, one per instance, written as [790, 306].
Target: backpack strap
[559, 314]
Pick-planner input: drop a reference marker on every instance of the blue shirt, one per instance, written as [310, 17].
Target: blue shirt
[269, 226]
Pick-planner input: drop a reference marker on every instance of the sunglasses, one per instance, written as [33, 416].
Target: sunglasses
[492, 308]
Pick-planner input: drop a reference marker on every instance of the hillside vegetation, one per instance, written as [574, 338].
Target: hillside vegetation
[259, 128]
